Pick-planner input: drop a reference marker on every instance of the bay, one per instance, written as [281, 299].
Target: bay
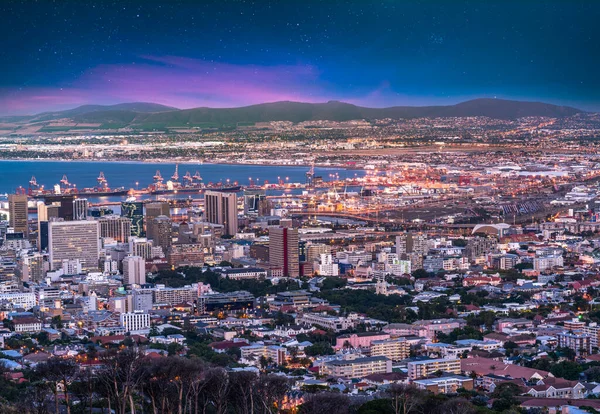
[140, 174]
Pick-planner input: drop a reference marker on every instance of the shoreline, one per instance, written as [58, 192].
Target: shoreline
[185, 162]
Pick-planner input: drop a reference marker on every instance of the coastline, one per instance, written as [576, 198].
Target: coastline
[184, 162]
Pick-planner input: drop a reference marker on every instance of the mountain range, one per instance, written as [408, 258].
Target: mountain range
[151, 116]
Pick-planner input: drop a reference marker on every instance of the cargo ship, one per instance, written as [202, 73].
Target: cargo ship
[67, 189]
[192, 184]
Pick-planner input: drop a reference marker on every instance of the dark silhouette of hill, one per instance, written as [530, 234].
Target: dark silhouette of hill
[141, 115]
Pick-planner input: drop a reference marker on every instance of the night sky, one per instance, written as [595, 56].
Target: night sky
[64, 53]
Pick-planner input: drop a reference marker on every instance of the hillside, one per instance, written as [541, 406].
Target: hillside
[149, 116]
[335, 111]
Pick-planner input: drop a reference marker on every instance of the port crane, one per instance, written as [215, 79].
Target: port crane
[102, 180]
[175, 176]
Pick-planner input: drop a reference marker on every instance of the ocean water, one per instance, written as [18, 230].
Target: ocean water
[140, 174]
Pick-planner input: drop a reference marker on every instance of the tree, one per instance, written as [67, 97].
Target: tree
[325, 403]
[217, 389]
[34, 400]
[567, 369]
[567, 352]
[319, 348]
[270, 392]
[174, 348]
[420, 274]
[405, 399]
[59, 373]
[377, 406]
[457, 406]
[593, 374]
[505, 396]
[120, 375]
[56, 322]
[242, 390]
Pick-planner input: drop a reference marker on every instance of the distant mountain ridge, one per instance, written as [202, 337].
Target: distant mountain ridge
[142, 115]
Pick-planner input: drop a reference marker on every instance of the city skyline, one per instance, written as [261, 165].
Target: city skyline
[368, 53]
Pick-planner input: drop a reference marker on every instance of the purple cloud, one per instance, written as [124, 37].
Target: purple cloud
[175, 81]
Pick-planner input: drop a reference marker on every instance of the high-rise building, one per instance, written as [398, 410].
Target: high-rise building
[407, 243]
[45, 213]
[65, 203]
[116, 227]
[480, 246]
[161, 232]
[134, 270]
[140, 246]
[154, 210]
[18, 213]
[284, 251]
[221, 208]
[134, 211]
[31, 267]
[315, 250]
[72, 240]
[80, 208]
[256, 203]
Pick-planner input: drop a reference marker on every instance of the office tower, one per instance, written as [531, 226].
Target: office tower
[140, 246]
[72, 240]
[31, 267]
[412, 243]
[65, 203]
[284, 251]
[134, 270]
[45, 213]
[302, 250]
[134, 211]
[221, 208]
[80, 209]
[256, 203]
[161, 232]
[97, 212]
[116, 227]
[315, 250]
[18, 213]
[154, 210]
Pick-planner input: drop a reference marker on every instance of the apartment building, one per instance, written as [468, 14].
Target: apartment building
[447, 384]
[335, 323]
[357, 368]
[251, 354]
[426, 368]
[580, 343]
[394, 349]
[359, 340]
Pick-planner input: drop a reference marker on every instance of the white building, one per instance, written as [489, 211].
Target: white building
[19, 300]
[326, 266]
[135, 321]
[134, 270]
